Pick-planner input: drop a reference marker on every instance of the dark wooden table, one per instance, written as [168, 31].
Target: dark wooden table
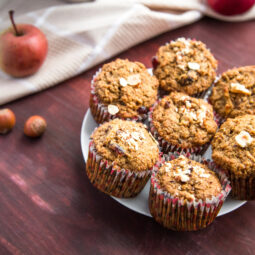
[47, 204]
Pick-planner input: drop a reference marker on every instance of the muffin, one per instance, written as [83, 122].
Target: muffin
[182, 123]
[122, 89]
[186, 66]
[121, 157]
[186, 195]
[234, 93]
[234, 151]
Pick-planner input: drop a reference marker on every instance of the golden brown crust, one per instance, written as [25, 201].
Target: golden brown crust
[229, 102]
[228, 152]
[126, 143]
[188, 179]
[127, 85]
[185, 65]
[184, 121]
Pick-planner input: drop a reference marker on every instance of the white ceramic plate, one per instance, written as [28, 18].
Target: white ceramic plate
[140, 202]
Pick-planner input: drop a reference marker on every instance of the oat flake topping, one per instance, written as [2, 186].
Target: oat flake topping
[113, 109]
[123, 82]
[244, 139]
[199, 115]
[185, 41]
[179, 172]
[133, 79]
[183, 172]
[236, 87]
[131, 138]
[193, 66]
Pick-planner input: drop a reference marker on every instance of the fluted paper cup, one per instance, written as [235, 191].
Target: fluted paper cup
[181, 215]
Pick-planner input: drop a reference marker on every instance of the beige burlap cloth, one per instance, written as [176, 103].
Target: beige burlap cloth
[85, 34]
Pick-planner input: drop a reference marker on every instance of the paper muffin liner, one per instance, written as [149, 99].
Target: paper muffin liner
[242, 188]
[100, 111]
[219, 119]
[167, 147]
[113, 180]
[181, 215]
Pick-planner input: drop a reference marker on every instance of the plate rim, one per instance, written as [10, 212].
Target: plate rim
[122, 200]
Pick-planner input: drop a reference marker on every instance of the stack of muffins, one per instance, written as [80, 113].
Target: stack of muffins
[159, 126]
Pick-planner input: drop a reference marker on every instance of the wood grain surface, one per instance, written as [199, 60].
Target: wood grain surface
[47, 204]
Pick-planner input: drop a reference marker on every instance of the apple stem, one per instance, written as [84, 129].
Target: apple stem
[11, 13]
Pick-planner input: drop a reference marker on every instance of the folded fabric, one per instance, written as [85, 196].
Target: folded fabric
[83, 35]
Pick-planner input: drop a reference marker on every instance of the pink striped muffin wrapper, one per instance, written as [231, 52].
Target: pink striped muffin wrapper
[243, 188]
[181, 215]
[113, 180]
[100, 111]
[219, 119]
[167, 147]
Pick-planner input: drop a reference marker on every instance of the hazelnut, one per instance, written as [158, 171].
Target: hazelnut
[7, 120]
[35, 126]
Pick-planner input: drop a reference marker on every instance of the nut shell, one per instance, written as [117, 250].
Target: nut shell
[7, 120]
[35, 126]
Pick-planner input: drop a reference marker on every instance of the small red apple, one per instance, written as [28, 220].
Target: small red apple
[23, 48]
[231, 7]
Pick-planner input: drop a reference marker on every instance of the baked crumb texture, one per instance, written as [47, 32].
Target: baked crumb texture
[234, 93]
[234, 151]
[182, 123]
[186, 66]
[186, 195]
[122, 155]
[122, 89]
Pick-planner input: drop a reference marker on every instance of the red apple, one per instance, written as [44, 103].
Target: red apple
[23, 48]
[231, 7]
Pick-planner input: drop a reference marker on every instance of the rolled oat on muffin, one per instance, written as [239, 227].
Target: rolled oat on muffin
[234, 93]
[186, 66]
[186, 195]
[121, 157]
[182, 123]
[122, 89]
[233, 149]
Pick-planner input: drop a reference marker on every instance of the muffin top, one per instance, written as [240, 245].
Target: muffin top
[126, 143]
[184, 121]
[126, 88]
[234, 93]
[188, 179]
[234, 145]
[185, 65]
